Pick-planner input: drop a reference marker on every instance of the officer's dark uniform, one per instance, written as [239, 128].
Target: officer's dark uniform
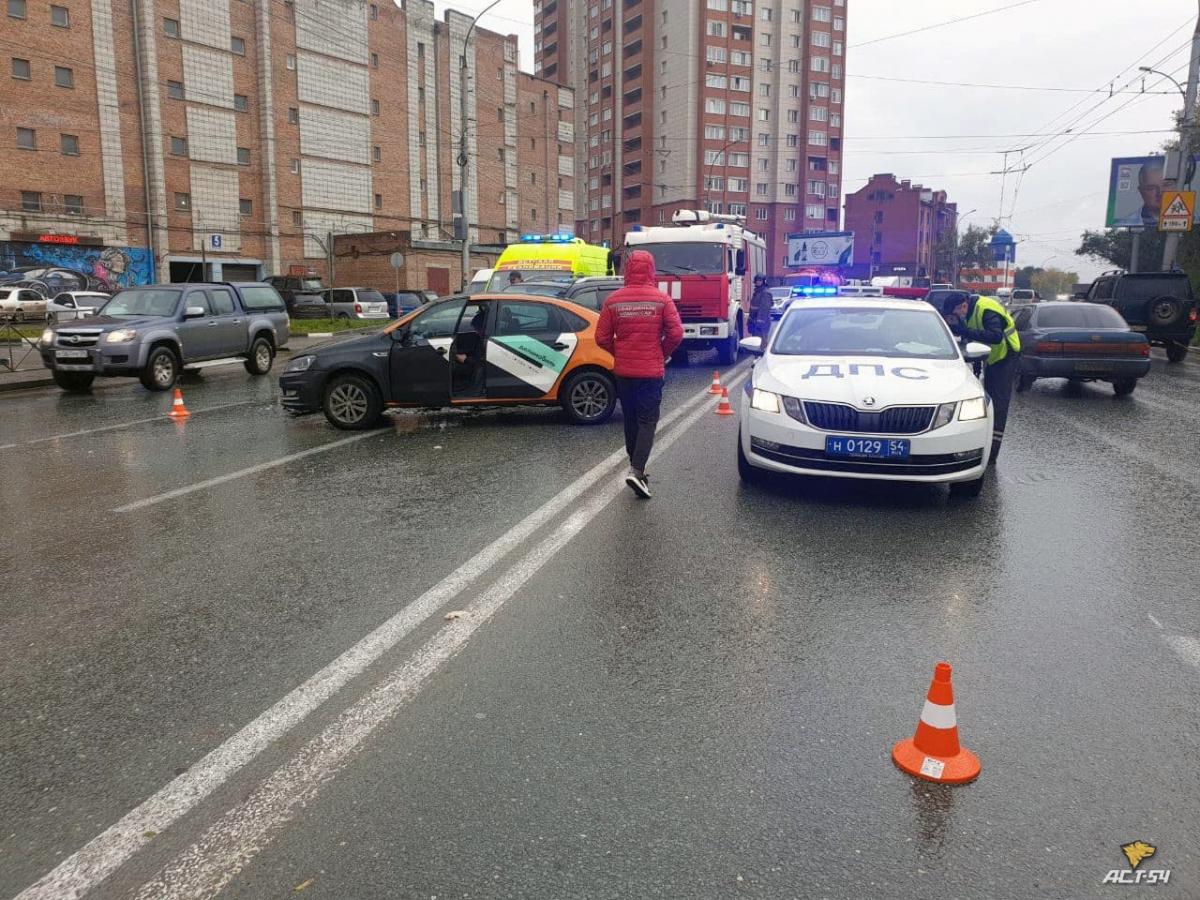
[988, 322]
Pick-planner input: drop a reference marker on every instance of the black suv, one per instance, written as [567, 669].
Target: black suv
[303, 295]
[1160, 305]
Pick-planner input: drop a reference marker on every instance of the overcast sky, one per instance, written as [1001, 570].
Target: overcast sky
[951, 137]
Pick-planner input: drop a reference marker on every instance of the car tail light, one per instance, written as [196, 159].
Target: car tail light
[358, 307]
[1192, 316]
[1144, 350]
[1049, 347]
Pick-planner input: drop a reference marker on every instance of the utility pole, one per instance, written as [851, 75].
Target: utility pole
[463, 157]
[1187, 123]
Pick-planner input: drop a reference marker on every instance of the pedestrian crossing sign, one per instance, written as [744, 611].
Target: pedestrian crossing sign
[1177, 210]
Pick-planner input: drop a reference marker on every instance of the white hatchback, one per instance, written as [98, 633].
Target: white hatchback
[866, 388]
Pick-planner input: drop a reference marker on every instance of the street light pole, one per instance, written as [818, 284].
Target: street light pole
[463, 158]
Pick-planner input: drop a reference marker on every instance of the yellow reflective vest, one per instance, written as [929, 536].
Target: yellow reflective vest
[1011, 339]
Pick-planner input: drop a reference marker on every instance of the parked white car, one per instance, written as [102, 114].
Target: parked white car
[22, 304]
[71, 305]
[863, 388]
[356, 303]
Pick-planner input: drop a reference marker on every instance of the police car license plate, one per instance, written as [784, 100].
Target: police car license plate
[867, 448]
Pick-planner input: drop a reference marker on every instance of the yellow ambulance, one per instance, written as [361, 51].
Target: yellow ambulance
[549, 257]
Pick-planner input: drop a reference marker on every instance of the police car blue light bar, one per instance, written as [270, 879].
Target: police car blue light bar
[814, 290]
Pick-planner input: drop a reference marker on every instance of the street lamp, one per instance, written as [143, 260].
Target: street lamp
[463, 158]
[1154, 71]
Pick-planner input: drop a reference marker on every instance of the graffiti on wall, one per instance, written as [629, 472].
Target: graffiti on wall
[55, 267]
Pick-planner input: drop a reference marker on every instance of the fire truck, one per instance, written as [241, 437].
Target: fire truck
[706, 263]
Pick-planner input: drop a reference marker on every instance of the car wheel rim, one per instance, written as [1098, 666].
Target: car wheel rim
[348, 403]
[263, 356]
[164, 370]
[590, 398]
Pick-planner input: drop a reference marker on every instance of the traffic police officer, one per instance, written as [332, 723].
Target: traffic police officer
[985, 319]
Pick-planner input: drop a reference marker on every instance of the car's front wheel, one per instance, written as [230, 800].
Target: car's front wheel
[1177, 351]
[352, 402]
[1124, 387]
[969, 489]
[161, 370]
[588, 398]
[262, 354]
[748, 473]
[74, 382]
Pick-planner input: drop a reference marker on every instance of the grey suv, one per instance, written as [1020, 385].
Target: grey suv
[1160, 305]
[153, 332]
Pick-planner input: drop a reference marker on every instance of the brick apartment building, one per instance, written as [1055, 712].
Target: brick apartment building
[730, 105]
[897, 228]
[132, 132]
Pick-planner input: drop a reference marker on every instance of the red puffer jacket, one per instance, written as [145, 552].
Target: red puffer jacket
[639, 324]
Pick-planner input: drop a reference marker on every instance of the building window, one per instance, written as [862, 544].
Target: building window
[179, 146]
[374, 107]
[69, 144]
[243, 156]
[171, 27]
[60, 16]
[374, 12]
[293, 116]
[297, 218]
[16, 9]
[822, 14]
[821, 39]
[183, 201]
[789, 215]
[73, 204]
[240, 102]
[377, 153]
[294, 167]
[761, 214]
[246, 207]
[820, 64]
[175, 90]
[21, 70]
[374, 60]
[238, 45]
[291, 62]
[64, 77]
[379, 201]
[31, 201]
[26, 139]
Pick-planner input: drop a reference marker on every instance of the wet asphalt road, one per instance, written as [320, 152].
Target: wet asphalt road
[692, 697]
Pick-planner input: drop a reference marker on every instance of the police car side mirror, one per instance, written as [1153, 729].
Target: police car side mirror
[752, 345]
[975, 351]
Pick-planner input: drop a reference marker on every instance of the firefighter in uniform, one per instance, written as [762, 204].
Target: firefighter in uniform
[984, 319]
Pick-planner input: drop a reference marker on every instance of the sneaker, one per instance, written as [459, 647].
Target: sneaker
[638, 484]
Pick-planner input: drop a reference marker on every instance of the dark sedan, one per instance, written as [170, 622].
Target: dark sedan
[1080, 342]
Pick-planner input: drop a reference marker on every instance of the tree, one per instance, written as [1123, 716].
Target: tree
[1052, 282]
[973, 249]
[1023, 277]
[1115, 246]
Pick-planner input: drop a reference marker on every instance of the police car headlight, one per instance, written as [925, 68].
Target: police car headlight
[972, 410]
[945, 414]
[765, 401]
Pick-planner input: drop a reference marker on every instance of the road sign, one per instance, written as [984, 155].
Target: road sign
[1178, 208]
[214, 241]
[397, 260]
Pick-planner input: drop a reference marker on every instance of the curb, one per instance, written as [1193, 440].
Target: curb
[24, 385]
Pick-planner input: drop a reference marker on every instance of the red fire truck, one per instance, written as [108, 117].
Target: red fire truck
[706, 262]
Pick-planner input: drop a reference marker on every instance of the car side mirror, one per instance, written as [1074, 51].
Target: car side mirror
[752, 345]
[400, 335]
[194, 312]
[975, 351]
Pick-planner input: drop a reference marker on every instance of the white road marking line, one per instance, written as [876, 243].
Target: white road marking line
[1157, 624]
[1186, 648]
[110, 849]
[229, 844]
[1138, 453]
[242, 473]
[162, 417]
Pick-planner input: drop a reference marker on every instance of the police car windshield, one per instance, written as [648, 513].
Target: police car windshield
[894, 333]
[700, 258]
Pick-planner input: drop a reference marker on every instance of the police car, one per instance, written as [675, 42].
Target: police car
[866, 388]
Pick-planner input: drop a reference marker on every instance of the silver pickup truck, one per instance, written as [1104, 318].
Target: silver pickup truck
[154, 332]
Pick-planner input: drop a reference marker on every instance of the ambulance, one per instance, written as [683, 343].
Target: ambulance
[549, 257]
[706, 262]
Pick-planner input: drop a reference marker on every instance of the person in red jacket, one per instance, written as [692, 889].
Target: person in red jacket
[640, 326]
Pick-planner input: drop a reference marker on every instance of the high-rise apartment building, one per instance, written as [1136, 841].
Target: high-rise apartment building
[143, 136]
[730, 105]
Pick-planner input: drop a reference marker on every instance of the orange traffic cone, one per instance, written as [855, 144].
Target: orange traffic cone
[716, 385]
[178, 410]
[723, 408]
[934, 753]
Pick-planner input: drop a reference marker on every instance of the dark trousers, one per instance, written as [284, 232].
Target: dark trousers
[640, 399]
[998, 381]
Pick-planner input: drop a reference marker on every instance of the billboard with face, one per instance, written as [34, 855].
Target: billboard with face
[821, 248]
[1135, 188]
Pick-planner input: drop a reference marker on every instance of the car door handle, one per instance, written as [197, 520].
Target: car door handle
[212, 324]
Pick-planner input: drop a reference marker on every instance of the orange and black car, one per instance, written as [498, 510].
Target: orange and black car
[485, 350]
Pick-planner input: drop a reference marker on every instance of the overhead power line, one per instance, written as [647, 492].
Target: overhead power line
[931, 27]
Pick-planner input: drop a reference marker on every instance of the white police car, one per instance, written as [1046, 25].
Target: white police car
[866, 388]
